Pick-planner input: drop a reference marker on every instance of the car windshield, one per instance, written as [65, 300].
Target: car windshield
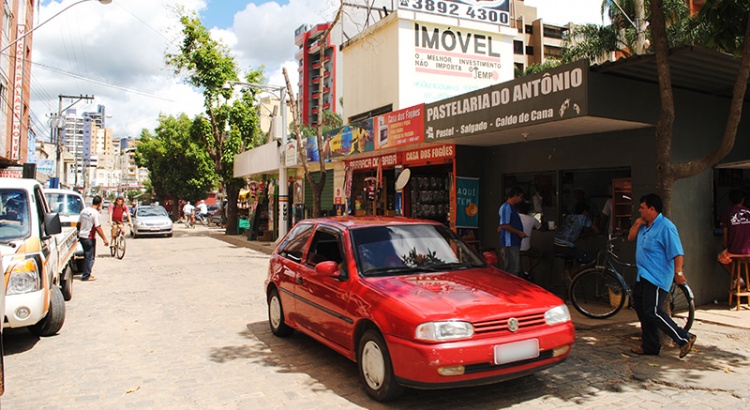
[14, 215]
[151, 212]
[64, 204]
[411, 248]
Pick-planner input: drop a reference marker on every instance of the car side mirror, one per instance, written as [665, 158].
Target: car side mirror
[327, 268]
[52, 225]
[490, 258]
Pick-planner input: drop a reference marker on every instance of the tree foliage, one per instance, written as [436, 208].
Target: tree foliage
[178, 165]
[225, 129]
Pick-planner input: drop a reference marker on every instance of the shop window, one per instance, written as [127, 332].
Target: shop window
[430, 193]
[540, 194]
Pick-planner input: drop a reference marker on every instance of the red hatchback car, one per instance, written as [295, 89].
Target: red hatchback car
[412, 305]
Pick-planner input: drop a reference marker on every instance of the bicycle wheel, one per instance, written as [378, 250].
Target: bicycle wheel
[120, 246]
[598, 293]
[682, 305]
[113, 246]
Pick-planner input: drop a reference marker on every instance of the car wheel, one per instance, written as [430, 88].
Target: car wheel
[53, 322]
[276, 316]
[66, 283]
[376, 368]
[79, 265]
[169, 235]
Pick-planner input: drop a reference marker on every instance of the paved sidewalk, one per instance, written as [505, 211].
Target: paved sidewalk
[718, 314]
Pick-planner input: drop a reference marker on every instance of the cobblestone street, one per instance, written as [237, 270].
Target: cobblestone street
[181, 323]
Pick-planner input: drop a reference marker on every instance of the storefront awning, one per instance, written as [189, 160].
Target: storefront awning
[261, 160]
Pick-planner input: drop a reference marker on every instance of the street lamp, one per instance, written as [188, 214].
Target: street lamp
[48, 20]
[283, 188]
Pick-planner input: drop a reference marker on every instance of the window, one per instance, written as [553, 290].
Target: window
[529, 29]
[326, 246]
[294, 244]
[529, 50]
[517, 47]
[552, 51]
[553, 32]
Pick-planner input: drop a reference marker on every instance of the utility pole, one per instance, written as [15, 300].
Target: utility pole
[59, 125]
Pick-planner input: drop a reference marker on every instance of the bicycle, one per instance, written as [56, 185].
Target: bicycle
[117, 247]
[601, 292]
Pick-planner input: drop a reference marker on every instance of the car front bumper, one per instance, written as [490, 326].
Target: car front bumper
[418, 365]
[152, 230]
[33, 301]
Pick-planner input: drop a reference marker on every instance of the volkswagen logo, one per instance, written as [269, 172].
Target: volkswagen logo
[513, 324]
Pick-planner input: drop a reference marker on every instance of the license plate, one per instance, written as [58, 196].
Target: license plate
[513, 352]
[154, 229]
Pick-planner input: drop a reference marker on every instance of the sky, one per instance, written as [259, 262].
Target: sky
[116, 52]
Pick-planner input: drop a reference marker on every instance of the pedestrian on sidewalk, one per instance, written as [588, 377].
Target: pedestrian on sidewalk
[511, 231]
[89, 225]
[659, 257]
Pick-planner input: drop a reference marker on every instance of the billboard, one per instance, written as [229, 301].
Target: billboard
[355, 138]
[400, 127]
[556, 94]
[482, 11]
[454, 60]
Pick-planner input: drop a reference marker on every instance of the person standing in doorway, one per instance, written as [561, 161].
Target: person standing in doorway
[659, 257]
[511, 231]
[529, 224]
[90, 225]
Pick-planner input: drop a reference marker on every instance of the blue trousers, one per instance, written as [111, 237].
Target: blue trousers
[89, 253]
[512, 259]
[647, 301]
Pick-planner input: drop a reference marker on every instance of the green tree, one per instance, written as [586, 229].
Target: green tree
[225, 129]
[537, 68]
[178, 165]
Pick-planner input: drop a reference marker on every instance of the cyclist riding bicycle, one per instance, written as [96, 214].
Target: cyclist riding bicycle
[118, 212]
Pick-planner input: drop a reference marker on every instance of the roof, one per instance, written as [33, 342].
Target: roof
[692, 68]
[25, 183]
[353, 222]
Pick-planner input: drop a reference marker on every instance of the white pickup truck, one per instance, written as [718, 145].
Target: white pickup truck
[36, 255]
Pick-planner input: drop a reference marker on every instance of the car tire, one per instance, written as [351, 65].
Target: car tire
[276, 316]
[66, 283]
[376, 368]
[53, 322]
[169, 235]
[79, 265]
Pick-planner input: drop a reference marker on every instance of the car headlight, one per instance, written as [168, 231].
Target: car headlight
[24, 278]
[558, 314]
[439, 331]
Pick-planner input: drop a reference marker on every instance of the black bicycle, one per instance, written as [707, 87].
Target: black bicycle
[601, 291]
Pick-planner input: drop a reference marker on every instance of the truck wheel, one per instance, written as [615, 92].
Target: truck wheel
[66, 283]
[53, 322]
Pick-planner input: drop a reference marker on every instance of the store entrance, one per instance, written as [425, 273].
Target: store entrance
[372, 195]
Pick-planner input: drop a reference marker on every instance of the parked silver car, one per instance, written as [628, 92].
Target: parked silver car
[151, 220]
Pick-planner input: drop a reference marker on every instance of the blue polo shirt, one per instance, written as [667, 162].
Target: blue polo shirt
[509, 216]
[656, 249]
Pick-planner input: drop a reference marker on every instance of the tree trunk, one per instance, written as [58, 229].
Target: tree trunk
[233, 193]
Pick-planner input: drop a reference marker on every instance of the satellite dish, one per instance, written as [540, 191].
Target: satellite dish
[403, 179]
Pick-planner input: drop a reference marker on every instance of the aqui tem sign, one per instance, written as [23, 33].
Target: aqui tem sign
[553, 95]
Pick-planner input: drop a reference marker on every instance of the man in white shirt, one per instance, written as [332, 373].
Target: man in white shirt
[89, 225]
[529, 224]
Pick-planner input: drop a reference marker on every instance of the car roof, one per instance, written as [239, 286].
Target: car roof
[24, 183]
[352, 222]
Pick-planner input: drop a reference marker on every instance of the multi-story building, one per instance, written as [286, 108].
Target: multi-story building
[15, 80]
[536, 41]
[310, 40]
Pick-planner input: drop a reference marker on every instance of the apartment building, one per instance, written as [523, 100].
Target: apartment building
[310, 40]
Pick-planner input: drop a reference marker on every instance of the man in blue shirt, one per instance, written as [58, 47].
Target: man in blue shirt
[659, 258]
[511, 231]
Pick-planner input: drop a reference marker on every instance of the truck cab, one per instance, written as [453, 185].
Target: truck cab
[32, 258]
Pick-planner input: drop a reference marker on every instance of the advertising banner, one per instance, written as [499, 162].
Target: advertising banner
[485, 11]
[423, 156]
[355, 138]
[400, 127]
[467, 202]
[556, 94]
[450, 60]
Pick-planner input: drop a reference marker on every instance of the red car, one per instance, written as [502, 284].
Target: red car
[412, 305]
